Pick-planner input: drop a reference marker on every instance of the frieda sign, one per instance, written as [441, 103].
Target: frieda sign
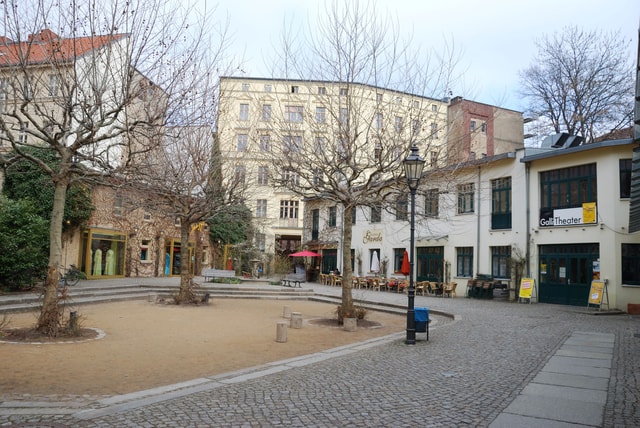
[372, 237]
[569, 216]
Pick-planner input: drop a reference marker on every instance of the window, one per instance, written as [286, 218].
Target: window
[431, 203]
[290, 177]
[322, 90]
[379, 98]
[625, 178]
[631, 264]
[433, 161]
[378, 120]
[398, 255]
[501, 203]
[261, 208]
[243, 142]
[265, 143]
[341, 147]
[415, 127]
[295, 89]
[22, 136]
[261, 241]
[353, 215]
[146, 216]
[241, 173]
[434, 108]
[267, 88]
[398, 100]
[464, 261]
[465, 198]
[117, 205]
[244, 112]
[318, 177]
[315, 224]
[500, 260]
[4, 94]
[376, 214]
[289, 209]
[344, 115]
[333, 216]
[473, 126]
[319, 144]
[293, 114]
[483, 127]
[401, 208]
[321, 114]
[54, 84]
[266, 112]
[398, 124]
[568, 187]
[144, 251]
[292, 144]
[434, 130]
[344, 91]
[416, 104]
[245, 87]
[263, 175]
[177, 221]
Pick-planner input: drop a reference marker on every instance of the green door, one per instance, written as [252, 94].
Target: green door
[565, 273]
[429, 262]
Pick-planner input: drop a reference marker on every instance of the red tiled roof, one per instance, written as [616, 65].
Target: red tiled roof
[47, 46]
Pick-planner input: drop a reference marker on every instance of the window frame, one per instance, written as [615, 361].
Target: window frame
[243, 143]
[332, 217]
[501, 203]
[243, 113]
[559, 184]
[261, 208]
[293, 113]
[466, 196]
[630, 263]
[624, 171]
[464, 262]
[501, 260]
[289, 209]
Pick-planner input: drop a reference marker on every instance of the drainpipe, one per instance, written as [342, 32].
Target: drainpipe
[478, 225]
[527, 174]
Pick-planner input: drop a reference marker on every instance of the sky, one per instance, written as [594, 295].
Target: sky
[495, 38]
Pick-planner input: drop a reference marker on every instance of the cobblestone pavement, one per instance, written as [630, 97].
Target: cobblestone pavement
[464, 376]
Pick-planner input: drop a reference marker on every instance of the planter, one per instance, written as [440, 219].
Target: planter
[633, 309]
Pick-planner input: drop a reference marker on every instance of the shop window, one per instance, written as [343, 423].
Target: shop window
[103, 253]
[631, 264]
[145, 256]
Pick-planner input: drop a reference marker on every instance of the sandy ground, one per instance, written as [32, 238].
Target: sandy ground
[149, 345]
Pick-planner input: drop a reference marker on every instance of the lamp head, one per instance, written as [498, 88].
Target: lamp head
[413, 165]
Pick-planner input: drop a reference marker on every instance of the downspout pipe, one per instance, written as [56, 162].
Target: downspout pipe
[478, 224]
[527, 179]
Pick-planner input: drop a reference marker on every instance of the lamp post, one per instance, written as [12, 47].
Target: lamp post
[413, 166]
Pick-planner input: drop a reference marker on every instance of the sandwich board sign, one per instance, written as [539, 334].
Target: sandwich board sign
[527, 286]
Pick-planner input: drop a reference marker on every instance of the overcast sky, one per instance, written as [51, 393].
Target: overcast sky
[496, 37]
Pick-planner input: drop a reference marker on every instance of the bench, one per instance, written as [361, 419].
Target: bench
[217, 273]
[293, 280]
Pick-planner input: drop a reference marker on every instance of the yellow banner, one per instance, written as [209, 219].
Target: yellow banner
[526, 288]
[595, 294]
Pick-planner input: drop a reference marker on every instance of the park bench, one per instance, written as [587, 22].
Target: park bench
[217, 273]
[293, 280]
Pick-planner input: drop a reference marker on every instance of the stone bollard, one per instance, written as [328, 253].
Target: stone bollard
[281, 331]
[350, 324]
[286, 312]
[296, 320]
[152, 297]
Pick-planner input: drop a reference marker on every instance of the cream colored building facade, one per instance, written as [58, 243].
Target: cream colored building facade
[256, 115]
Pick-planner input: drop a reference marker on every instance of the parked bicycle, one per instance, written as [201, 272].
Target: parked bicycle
[71, 276]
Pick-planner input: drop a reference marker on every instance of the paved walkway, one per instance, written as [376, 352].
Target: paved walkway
[498, 364]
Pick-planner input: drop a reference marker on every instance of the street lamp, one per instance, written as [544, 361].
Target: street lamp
[413, 166]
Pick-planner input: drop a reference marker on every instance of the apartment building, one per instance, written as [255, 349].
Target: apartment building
[56, 90]
[257, 115]
[562, 210]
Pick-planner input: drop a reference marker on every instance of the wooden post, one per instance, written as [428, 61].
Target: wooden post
[281, 331]
[296, 320]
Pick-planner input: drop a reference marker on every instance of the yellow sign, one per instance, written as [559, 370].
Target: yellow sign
[526, 288]
[589, 212]
[595, 294]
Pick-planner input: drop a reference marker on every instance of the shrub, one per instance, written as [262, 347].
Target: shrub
[24, 243]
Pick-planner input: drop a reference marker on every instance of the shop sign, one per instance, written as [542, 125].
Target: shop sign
[372, 237]
[569, 216]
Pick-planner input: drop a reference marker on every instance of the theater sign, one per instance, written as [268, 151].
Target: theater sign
[587, 214]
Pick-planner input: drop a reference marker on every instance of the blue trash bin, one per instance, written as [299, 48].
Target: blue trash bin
[422, 318]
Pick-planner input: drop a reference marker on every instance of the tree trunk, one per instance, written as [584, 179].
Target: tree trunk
[50, 318]
[347, 271]
[186, 294]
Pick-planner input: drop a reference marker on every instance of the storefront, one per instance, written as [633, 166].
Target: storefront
[103, 253]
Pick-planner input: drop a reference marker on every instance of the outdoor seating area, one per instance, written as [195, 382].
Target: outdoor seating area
[482, 289]
[393, 284]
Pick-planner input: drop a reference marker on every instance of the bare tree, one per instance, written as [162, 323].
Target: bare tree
[374, 107]
[98, 91]
[581, 82]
